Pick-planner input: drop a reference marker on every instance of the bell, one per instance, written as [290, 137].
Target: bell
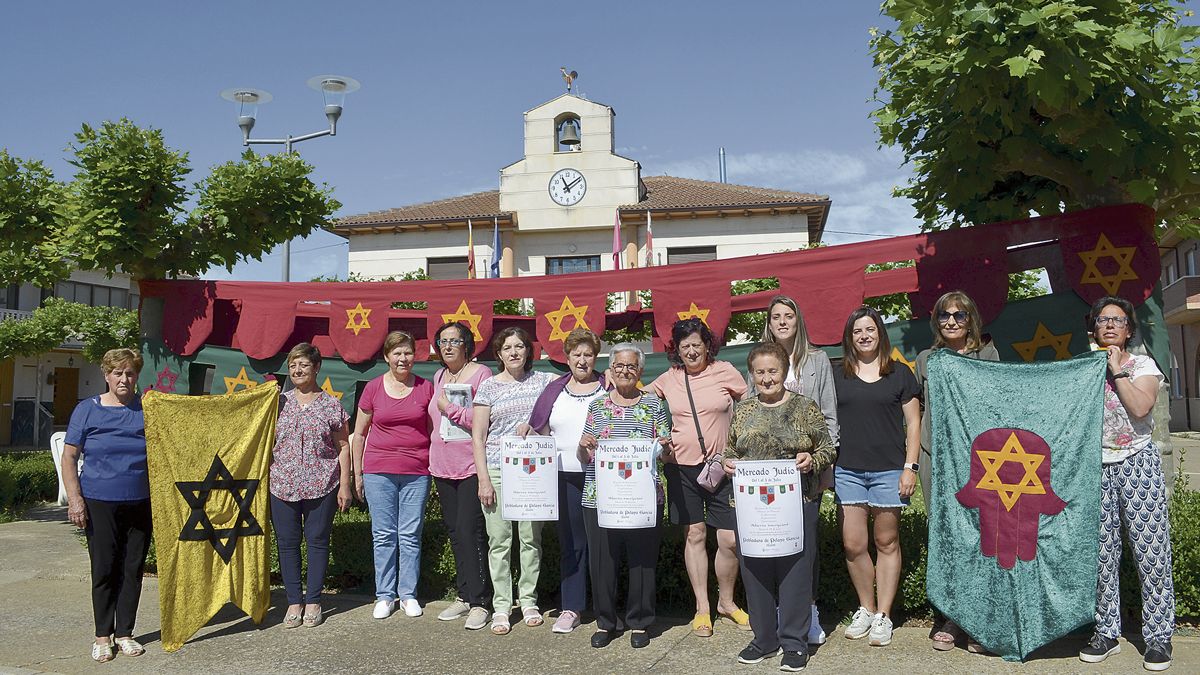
[570, 134]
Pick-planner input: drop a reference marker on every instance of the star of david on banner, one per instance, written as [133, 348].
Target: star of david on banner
[558, 313]
[199, 525]
[476, 315]
[706, 299]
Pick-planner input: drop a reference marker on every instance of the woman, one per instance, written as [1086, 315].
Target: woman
[956, 325]
[501, 406]
[626, 412]
[110, 499]
[714, 387]
[452, 464]
[810, 374]
[876, 468]
[391, 472]
[778, 424]
[310, 477]
[1132, 491]
[561, 411]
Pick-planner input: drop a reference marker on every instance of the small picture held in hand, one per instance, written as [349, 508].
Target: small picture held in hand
[459, 395]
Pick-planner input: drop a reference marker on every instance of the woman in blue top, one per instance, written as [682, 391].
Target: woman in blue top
[110, 500]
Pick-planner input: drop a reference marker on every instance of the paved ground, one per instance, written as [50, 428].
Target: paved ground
[46, 627]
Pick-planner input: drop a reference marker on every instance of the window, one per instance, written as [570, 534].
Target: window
[573, 264]
[89, 294]
[687, 254]
[445, 269]
[1190, 263]
[1171, 275]
[10, 297]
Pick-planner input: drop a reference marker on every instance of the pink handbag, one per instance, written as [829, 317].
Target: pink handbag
[712, 472]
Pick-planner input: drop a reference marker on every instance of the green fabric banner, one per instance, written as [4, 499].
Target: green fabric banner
[1015, 500]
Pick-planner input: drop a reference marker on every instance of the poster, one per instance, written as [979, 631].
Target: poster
[770, 520]
[460, 395]
[625, 493]
[528, 478]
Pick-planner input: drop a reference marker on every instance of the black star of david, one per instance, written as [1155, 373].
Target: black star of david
[198, 526]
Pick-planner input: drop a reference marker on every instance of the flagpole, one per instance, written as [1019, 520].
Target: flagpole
[470, 250]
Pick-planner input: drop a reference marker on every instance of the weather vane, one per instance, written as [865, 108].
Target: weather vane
[569, 77]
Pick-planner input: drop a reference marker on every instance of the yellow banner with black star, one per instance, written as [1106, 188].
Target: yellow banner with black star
[208, 458]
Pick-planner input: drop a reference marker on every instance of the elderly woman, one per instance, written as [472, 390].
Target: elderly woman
[700, 392]
[626, 412]
[391, 472]
[561, 411]
[452, 463]
[956, 325]
[310, 477]
[876, 470]
[778, 424]
[1132, 491]
[502, 405]
[110, 499]
[809, 373]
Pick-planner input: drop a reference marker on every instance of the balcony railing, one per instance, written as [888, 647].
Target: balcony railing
[1181, 300]
[14, 314]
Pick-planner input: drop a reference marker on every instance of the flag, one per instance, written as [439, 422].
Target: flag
[470, 250]
[617, 241]
[649, 241]
[495, 266]
[208, 458]
[1015, 497]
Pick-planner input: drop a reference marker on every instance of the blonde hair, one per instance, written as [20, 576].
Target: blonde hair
[305, 350]
[974, 329]
[114, 358]
[801, 348]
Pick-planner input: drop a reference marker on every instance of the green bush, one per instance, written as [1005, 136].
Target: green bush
[26, 478]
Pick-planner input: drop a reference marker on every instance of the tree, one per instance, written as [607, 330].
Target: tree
[124, 209]
[57, 321]
[1013, 106]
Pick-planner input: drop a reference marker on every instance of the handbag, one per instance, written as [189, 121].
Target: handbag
[712, 472]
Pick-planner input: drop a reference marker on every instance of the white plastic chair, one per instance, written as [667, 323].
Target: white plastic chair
[58, 441]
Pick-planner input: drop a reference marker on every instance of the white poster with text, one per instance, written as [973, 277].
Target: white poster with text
[528, 478]
[625, 492]
[770, 519]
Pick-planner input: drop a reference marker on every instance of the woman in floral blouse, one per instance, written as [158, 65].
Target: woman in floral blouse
[310, 477]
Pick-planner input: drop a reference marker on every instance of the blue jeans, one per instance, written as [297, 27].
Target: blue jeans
[312, 521]
[397, 504]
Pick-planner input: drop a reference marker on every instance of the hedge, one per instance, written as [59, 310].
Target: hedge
[26, 478]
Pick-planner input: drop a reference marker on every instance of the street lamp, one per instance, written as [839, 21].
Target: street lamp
[333, 89]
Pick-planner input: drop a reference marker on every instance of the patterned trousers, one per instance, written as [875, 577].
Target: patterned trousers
[1133, 494]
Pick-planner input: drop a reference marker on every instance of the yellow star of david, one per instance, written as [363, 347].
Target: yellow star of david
[328, 389]
[232, 383]
[1042, 337]
[1104, 249]
[464, 315]
[567, 309]
[899, 358]
[1012, 451]
[357, 318]
[694, 312]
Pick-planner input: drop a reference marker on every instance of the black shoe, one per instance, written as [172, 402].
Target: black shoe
[1099, 648]
[752, 654]
[639, 639]
[1158, 656]
[793, 662]
[602, 638]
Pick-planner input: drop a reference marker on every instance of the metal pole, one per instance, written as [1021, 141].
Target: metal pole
[287, 245]
[721, 171]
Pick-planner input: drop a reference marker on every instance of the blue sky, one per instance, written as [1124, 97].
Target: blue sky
[783, 86]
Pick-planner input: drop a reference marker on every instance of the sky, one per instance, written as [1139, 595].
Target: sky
[784, 87]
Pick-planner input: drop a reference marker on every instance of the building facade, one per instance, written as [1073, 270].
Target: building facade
[1180, 257]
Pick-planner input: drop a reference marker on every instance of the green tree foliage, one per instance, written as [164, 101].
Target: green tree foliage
[30, 205]
[57, 321]
[1013, 106]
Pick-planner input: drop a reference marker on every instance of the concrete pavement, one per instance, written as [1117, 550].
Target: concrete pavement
[46, 627]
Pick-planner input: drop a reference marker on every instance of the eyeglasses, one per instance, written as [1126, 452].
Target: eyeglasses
[959, 317]
[451, 342]
[625, 367]
[1118, 321]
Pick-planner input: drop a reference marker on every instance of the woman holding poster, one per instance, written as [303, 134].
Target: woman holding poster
[778, 424]
[635, 420]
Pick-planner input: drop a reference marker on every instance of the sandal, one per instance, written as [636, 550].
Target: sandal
[739, 617]
[102, 653]
[532, 616]
[943, 641]
[130, 647]
[500, 625]
[313, 620]
[293, 620]
[702, 625]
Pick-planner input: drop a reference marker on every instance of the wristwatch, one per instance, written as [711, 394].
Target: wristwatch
[914, 467]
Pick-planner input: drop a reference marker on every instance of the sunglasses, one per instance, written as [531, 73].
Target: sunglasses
[959, 317]
[451, 342]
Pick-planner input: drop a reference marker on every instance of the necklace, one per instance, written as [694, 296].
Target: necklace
[452, 377]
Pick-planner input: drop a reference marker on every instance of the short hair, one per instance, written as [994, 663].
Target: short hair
[802, 347]
[581, 336]
[398, 338]
[518, 332]
[628, 347]
[119, 357]
[768, 349]
[685, 328]
[1121, 303]
[849, 363]
[305, 350]
[974, 322]
[468, 338]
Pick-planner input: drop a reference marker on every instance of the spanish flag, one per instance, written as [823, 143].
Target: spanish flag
[208, 458]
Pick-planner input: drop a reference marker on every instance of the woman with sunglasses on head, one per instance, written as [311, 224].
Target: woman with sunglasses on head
[452, 464]
[956, 325]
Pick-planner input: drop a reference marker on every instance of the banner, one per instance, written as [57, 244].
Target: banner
[1015, 497]
[625, 493]
[528, 478]
[770, 518]
[208, 458]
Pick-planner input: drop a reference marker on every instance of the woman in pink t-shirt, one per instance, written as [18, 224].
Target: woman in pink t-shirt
[391, 472]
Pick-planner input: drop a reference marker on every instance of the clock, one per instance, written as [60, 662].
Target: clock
[567, 187]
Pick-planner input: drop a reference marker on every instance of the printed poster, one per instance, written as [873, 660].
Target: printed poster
[528, 478]
[460, 395]
[767, 501]
[625, 493]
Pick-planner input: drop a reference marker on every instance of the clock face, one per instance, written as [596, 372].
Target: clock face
[567, 187]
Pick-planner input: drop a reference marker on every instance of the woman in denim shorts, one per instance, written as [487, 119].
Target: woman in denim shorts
[876, 468]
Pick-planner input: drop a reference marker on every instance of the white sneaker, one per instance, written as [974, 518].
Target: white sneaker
[860, 625]
[412, 608]
[881, 631]
[384, 609]
[457, 609]
[816, 634]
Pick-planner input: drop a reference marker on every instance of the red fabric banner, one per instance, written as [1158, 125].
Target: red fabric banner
[475, 314]
[560, 310]
[263, 327]
[1120, 259]
[705, 297]
[976, 265]
[826, 293]
[187, 318]
[358, 329]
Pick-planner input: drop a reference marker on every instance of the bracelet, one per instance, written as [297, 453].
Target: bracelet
[1120, 375]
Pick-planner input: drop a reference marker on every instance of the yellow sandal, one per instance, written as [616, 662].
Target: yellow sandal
[702, 625]
[739, 617]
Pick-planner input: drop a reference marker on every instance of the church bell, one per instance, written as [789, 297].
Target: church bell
[569, 134]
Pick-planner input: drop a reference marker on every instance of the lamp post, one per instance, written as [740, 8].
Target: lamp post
[333, 89]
